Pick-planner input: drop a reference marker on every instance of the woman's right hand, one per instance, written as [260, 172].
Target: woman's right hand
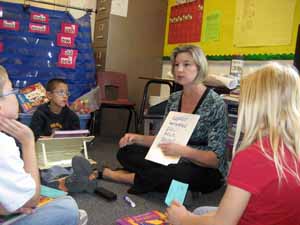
[129, 139]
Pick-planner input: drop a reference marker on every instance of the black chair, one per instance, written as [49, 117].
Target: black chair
[156, 113]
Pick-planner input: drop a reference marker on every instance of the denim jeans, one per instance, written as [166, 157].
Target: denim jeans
[62, 211]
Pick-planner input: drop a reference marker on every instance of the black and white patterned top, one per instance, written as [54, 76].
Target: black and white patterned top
[210, 133]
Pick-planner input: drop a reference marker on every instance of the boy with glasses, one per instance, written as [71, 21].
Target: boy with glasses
[54, 115]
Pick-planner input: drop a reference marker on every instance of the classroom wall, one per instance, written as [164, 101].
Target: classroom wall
[262, 11]
[225, 46]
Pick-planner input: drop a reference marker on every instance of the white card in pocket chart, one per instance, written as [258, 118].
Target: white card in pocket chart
[177, 128]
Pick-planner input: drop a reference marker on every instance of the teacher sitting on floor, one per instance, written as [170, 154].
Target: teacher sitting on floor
[202, 164]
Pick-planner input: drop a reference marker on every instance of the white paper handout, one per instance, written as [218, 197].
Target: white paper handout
[119, 7]
[177, 128]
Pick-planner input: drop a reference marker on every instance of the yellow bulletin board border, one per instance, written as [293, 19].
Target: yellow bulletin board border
[223, 49]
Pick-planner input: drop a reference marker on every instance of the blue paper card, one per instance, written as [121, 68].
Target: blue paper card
[52, 192]
[177, 191]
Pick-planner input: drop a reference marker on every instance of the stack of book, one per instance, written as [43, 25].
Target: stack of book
[148, 218]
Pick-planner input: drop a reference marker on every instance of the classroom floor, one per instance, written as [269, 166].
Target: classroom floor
[102, 212]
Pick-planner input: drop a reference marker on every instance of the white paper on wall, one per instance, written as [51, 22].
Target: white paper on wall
[119, 7]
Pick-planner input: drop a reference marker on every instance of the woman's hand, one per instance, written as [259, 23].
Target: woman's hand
[176, 213]
[171, 149]
[129, 139]
[16, 129]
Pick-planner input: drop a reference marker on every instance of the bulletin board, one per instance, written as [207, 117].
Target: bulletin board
[222, 44]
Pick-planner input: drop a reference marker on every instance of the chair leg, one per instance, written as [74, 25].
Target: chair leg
[92, 123]
[129, 119]
[136, 121]
[97, 122]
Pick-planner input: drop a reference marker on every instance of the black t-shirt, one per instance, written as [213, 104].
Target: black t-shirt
[44, 122]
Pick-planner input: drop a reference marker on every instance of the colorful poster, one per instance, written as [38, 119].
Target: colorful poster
[185, 22]
[263, 22]
[212, 26]
[1, 47]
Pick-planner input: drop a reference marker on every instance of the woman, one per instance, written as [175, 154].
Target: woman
[264, 182]
[202, 164]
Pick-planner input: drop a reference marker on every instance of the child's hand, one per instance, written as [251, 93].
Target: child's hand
[16, 129]
[25, 210]
[176, 213]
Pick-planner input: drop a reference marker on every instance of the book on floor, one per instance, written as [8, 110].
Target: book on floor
[52, 192]
[177, 128]
[149, 218]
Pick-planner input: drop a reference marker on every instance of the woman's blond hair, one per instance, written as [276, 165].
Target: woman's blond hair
[270, 107]
[3, 78]
[198, 57]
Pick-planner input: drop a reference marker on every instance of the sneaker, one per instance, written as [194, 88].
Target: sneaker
[81, 166]
[80, 181]
[83, 174]
[72, 183]
[83, 217]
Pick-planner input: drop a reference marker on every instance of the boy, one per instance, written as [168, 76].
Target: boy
[19, 179]
[54, 115]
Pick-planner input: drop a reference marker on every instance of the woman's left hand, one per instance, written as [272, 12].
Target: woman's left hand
[172, 149]
[176, 213]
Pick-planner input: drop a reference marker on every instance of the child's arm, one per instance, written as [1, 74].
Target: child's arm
[25, 136]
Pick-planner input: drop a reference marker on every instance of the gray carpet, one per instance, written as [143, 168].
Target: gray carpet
[102, 212]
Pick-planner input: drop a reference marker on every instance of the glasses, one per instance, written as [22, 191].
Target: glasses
[62, 93]
[12, 92]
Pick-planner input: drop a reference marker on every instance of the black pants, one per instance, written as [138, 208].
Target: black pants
[150, 176]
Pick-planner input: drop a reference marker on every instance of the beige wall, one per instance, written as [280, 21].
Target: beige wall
[91, 4]
[135, 43]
